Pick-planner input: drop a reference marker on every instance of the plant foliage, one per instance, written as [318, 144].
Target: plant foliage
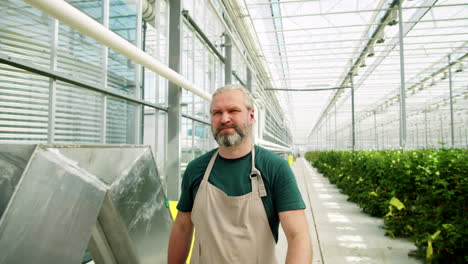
[421, 194]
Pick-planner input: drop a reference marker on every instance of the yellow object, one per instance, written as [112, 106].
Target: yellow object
[174, 211]
[390, 212]
[290, 160]
[429, 250]
[435, 235]
[373, 194]
[395, 202]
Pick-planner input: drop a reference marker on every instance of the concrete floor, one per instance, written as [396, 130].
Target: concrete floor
[340, 231]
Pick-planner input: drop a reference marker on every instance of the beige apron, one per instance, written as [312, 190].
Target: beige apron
[231, 229]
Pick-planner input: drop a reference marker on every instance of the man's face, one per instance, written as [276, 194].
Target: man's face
[231, 121]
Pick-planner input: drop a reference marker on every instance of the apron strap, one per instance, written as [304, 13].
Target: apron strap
[210, 166]
[256, 175]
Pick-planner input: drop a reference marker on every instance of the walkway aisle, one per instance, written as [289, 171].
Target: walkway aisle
[341, 232]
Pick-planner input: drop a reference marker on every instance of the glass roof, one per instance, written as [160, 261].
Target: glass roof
[314, 47]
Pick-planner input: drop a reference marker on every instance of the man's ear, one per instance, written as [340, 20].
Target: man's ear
[252, 115]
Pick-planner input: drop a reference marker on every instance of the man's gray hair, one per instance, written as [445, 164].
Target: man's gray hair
[249, 102]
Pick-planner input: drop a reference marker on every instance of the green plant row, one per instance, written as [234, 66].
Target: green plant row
[421, 194]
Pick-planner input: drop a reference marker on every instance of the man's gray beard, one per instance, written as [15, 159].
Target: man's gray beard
[229, 140]
[234, 139]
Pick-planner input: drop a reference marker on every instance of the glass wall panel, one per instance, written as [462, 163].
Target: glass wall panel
[213, 28]
[200, 66]
[199, 62]
[24, 100]
[155, 135]
[460, 101]
[205, 17]
[92, 8]
[123, 19]
[151, 82]
[25, 32]
[210, 73]
[187, 69]
[120, 123]
[187, 140]
[201, 109]
[161, 148]
[219, 74]
[203, 140]
[121, 71]
[79, 56]
[78, 115]
[155, 36]
[238, 66]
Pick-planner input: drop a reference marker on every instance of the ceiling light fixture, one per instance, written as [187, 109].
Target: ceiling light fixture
[393, 18]
[370, 51]
[380, 37]
[363, 63]
[444, 76]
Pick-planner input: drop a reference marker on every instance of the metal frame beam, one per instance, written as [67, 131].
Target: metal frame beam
[25, 65]
[452, 128]
[227, 59]
[358, 11]
[363, 39]
[174, 113]
[359, 25]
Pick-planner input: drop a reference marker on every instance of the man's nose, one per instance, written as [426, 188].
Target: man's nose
[225, 118]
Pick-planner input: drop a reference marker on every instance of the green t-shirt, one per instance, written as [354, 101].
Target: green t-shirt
[232, 176]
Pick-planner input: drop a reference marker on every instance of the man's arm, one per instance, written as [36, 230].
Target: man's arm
[295, 228]
[180, 239]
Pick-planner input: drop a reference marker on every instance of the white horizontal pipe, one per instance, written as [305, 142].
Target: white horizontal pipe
[71, 16]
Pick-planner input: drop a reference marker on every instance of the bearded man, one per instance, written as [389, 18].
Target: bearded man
[237, 195]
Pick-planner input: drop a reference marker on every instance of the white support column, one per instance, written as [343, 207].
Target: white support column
[402, 80]
[353, 122]
[452, 126]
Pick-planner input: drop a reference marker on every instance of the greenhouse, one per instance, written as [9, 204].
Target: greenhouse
[108, 106]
